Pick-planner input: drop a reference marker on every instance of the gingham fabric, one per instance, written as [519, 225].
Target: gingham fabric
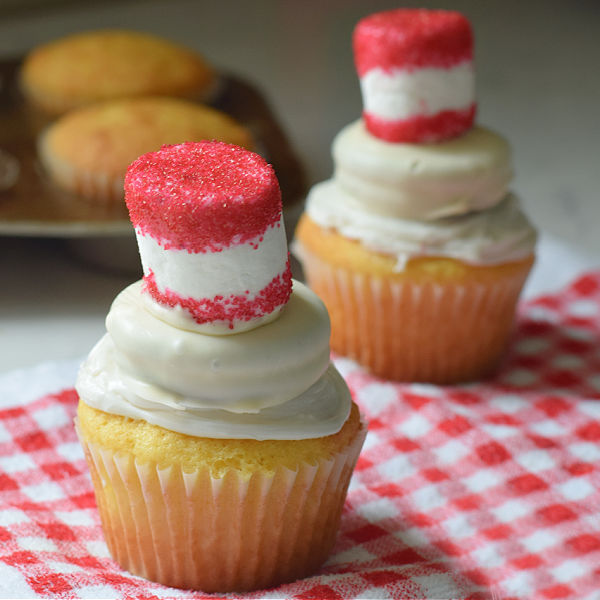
[487, 490]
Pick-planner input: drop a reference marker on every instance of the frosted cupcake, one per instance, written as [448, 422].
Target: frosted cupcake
[219, 436]
[416, 245]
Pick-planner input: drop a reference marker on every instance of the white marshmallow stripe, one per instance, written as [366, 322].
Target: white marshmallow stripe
[244, 269]
[401, 94]
[247, 267]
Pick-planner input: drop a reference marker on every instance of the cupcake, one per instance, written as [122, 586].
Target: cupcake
[92, 66]
[416, 245]
[88, 150]
[220, 438]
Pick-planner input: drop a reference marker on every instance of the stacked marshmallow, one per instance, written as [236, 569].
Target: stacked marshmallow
[210, 232]
[416, 74]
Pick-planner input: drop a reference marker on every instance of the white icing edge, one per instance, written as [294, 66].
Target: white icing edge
[320, 410]
[494, 236]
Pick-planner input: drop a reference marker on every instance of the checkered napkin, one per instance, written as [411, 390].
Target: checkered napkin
[488, 490]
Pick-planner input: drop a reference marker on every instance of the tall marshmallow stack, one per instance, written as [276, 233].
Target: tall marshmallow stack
[208, 221]
[416, 74]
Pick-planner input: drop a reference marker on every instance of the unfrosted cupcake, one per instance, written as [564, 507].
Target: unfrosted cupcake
[416, 244]
[92, 66]
[220, 438]
[88, 150]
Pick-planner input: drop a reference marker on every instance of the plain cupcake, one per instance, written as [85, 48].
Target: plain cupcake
[417, 245]
[92, 66]
[220, 438]
[87, 151]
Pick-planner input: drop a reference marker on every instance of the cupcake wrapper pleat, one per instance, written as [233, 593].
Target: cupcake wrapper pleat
[95, 186]
[411, 331]
[192, 530]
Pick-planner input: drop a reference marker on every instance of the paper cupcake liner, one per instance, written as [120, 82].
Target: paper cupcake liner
[192, 530]
[411, 331]
[94, 186]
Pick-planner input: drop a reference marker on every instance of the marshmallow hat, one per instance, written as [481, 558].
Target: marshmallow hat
[416, 74]
[208, 221]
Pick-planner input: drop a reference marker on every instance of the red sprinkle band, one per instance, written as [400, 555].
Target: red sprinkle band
[411, 39]
[202, 196]
[227, 308]
[422, 128]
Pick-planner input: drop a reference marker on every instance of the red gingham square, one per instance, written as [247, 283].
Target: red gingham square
[486, 490]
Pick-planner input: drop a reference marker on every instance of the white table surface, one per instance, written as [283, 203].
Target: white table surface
[538, 84]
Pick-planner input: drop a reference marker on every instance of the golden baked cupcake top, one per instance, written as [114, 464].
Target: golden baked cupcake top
[91, 147]
[101, 65]
[151, 443]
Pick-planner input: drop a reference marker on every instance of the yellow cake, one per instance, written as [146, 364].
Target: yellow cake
[105, 64]
[437, 320]
[216, 514]
[220, 438]
[87, 151]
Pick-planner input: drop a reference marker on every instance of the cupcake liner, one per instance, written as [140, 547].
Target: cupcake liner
[94, 186]
[401, 329]
[192, 530]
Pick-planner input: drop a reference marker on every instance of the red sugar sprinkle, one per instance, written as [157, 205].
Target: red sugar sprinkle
[202, 196]
[422, 128]
[231, 308]
[412, 38]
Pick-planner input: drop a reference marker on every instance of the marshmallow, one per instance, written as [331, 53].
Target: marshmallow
[208, 221]
[416, 74]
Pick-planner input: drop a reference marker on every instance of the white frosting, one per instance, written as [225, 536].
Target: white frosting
[243, 372]
[273, 382]
[241, 269]
[399, 94]
[497, 235]
[422, 181]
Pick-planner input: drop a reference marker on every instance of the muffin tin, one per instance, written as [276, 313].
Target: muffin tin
[34, 206]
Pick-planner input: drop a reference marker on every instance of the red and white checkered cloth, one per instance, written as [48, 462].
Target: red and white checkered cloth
[488, 490]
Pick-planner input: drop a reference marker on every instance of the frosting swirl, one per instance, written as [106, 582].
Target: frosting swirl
[422, 181]
[272, 382]
[497, 235]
